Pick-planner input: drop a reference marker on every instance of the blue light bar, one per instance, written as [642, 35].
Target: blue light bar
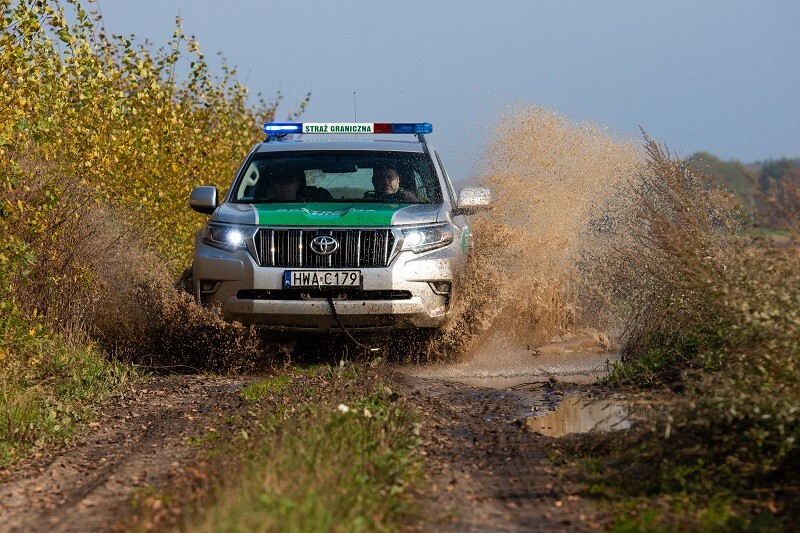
[286, 128]
[283, 127]
[420, 127]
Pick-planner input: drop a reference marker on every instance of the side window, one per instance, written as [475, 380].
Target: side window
[247, 186]
[421, 186]
[447, 183]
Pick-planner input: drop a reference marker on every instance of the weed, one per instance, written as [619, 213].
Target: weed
[45, 396]
[260, 389]
[647, 520]
[319, 467]
[209, 435]
[713, 313]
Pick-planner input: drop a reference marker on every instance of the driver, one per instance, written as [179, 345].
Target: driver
[386, 182]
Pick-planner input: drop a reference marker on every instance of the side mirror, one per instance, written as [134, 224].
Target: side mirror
[473, 199]
[203, 199]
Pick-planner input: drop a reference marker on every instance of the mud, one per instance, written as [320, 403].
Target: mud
[487, 462]
[541, 253]
[500, 361]
[527, 326]
[485, 470]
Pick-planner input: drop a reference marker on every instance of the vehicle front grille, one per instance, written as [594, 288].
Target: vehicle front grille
[358, 248]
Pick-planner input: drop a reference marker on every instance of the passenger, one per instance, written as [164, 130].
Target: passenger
[291, 187]
[386, 181]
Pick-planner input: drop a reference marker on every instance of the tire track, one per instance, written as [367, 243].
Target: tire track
[140, 443]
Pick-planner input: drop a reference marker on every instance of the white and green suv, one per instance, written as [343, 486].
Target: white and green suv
[316, 235]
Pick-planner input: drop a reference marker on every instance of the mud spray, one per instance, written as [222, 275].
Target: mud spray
[556, 189]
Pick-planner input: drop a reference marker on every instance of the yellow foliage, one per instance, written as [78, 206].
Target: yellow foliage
[105, 111]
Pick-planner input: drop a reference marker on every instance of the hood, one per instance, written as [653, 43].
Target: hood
[328, 214]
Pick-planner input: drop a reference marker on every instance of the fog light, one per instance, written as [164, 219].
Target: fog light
[441, 287]
[208, 285]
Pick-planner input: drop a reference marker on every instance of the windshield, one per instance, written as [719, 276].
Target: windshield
[338, 176]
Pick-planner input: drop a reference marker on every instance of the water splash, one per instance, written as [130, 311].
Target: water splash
[552, 181]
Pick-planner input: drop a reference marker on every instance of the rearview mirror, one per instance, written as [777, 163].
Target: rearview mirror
[203, 199]
[473, 199]
[339, 167]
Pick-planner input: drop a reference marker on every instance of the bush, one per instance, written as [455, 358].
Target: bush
[100, 144]
[115, 118]
[715, 314]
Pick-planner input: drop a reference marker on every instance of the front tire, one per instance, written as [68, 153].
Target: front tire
[184, 281]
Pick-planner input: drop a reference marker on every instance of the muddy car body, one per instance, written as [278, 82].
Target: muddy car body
[340, 254]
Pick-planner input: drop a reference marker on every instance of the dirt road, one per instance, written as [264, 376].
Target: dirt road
[140, 447]
[486, 470]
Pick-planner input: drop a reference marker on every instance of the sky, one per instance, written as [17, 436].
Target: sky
[721, 76]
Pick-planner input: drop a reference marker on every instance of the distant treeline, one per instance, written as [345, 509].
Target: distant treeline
[770, 190]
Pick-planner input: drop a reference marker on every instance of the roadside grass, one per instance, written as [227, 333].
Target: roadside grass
[679, 514]
[260, 389]
[48, 389]
[150, 497]
[647, 369]
[333, 450]
[712, 314]
[209, 436]
[638, 490]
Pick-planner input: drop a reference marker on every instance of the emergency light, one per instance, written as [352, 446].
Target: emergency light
[287, 128]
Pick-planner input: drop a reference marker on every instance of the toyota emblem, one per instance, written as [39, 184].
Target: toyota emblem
[324, 245]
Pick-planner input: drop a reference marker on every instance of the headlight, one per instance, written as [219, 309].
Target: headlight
[226, 237]
[424, 238]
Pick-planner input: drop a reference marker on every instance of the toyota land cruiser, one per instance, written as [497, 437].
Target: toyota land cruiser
[316, 235]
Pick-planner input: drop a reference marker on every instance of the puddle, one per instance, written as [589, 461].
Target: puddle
[579, 415]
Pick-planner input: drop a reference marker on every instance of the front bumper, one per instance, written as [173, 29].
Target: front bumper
[399, 296]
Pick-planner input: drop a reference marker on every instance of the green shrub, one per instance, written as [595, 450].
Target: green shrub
[116, 118]
[714, 313]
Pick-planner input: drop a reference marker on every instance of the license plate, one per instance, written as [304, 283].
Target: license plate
[317, 279]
